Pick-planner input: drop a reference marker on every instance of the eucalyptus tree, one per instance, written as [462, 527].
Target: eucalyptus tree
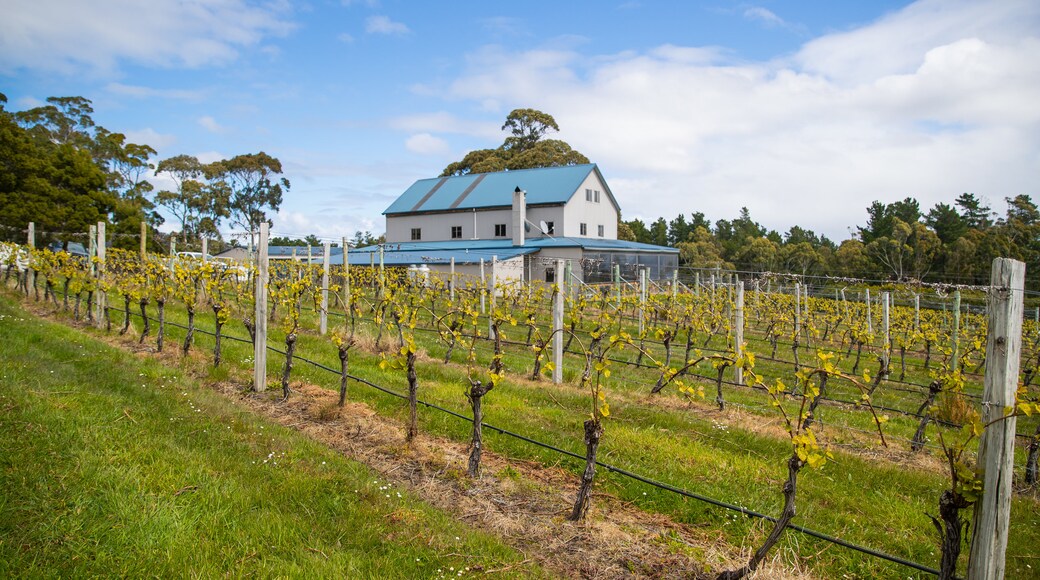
[252, 185]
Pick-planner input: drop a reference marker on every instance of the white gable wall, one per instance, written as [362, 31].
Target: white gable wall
[578, 210]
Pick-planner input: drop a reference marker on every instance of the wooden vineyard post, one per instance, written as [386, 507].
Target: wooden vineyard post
[870, 319]
[557, 321]
[205, 250]
[886, 348]
[30, 275]
[323, 322]
[491, 292]
[675, 283]
[260, 315]
[92, 249]
[797, 323]
[617, 284]
[642, 300]
[697, 283]
[997, 443]
[955, 334]
[738, 332]
[382, 272]
[173, 247]
[917, 312]
[102, 298]
[144, 241]
[483, 287]
[346, 281]
[568, 284]
[451, 281]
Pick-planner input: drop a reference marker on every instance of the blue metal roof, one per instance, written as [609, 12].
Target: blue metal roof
[545, 185]
[301, 251]
[471, 251]
[403, 257]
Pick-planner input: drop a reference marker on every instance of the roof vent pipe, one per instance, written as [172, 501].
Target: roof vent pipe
[519, 215]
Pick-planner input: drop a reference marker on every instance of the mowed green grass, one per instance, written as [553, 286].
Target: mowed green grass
[112, 465]
[878, 504]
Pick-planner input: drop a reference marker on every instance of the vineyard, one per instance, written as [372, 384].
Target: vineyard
[837, 427]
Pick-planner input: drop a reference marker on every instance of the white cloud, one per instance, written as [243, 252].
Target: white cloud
[898, 42]
[445, 122]
[296, 224]
[56, 35]
[210, 156]
[210, 124]
[811, 140]
[140, 92]
[345, 38]
[30, 102]
[426, 144]
[383, 25]
[765, 16]
[151, 137]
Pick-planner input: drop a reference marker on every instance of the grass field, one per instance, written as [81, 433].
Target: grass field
[111, 465]
[881, 502]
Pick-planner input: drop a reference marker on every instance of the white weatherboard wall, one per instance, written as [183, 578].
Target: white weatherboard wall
[436, 227]
[578, 210]
[506, 271]
[539, 262]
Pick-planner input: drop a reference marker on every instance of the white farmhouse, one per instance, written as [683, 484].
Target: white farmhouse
[519, 223]
[572, 201]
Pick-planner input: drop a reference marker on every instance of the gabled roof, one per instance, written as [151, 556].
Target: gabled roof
[544, 186]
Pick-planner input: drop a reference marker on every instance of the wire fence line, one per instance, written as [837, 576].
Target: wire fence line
[570, 454]
[609, 468]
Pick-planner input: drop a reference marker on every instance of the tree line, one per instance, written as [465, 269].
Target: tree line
[953, 243]
[64, 172]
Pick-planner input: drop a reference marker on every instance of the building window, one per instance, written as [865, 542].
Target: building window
[456, 232]
[599, 228]
[550, 275]
[584, 229]
[588, 195]
[596, 196]
[416, 233]
[550, 228]
[500, 231]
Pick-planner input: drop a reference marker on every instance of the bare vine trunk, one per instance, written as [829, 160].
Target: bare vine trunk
[218, 325]
[718, 389]
[1034, 450]
[146, 327]
[251, 328]
[917, 443]
[476, 397]
[344, 360]
[160, 306]
[126, 314]
[951, 529]
[593, 433]
[413, 398]
[790, 488]
[191, 332]
[290, 348]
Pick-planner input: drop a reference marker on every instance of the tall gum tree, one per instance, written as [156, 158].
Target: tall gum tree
[252, 185]
[525, 147]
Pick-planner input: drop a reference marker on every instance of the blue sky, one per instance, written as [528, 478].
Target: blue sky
[804, 112]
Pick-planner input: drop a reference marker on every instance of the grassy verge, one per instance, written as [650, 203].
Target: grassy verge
[112, 465]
